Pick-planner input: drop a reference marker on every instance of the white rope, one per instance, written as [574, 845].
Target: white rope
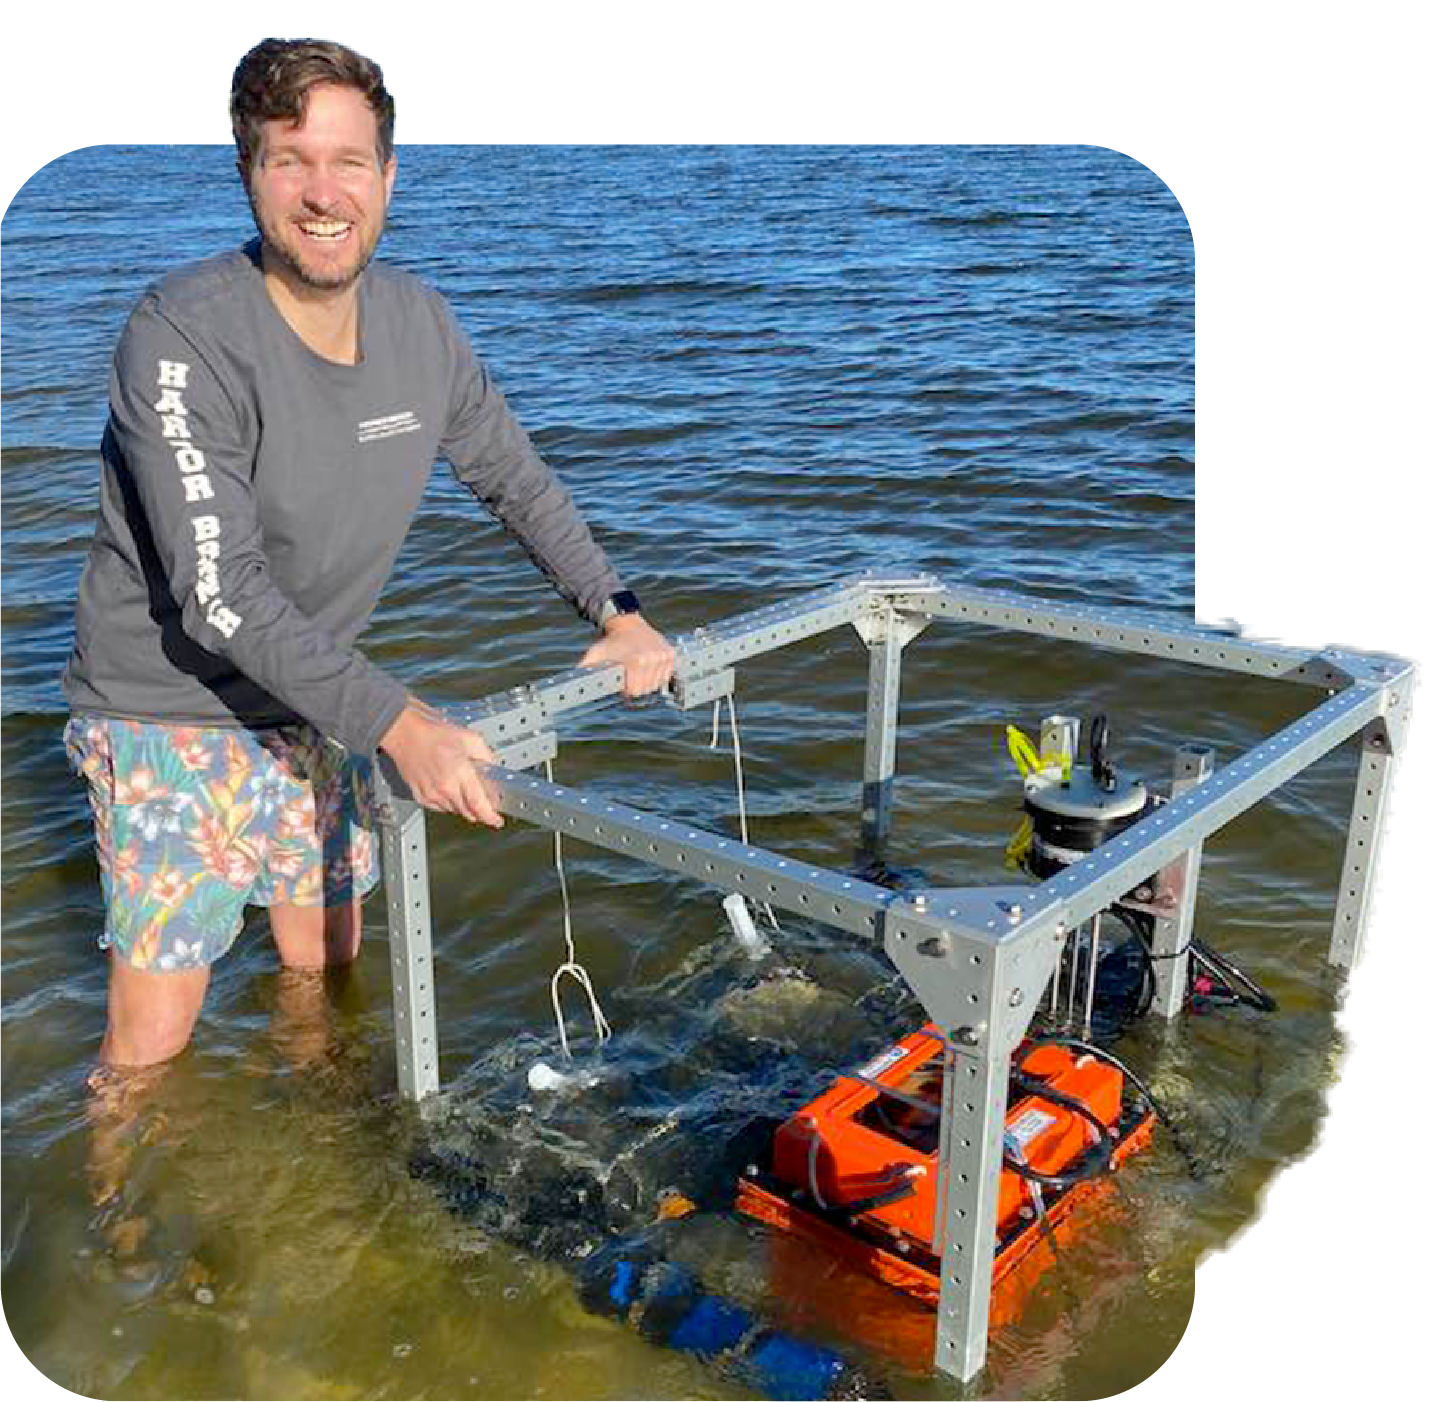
[571, 969]
[763, 906]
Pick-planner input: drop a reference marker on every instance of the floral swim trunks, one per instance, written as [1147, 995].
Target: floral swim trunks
[191, 824]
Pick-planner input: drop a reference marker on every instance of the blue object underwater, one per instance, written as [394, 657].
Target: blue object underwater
[667, 1305]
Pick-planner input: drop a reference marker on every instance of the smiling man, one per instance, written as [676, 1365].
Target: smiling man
[275, 412]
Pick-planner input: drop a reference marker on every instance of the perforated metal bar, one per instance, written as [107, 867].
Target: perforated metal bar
[841, 901]
[885, 669]
[409, 927]
[969, 1182]
[1171, 939]
[1125, 631]
[885, 632]
[1361, 846]
[703, 660]
[1102, 876]
[710, 649]
[763, 630]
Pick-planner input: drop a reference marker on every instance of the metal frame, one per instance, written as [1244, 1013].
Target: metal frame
[1171, 940]
[980, 958]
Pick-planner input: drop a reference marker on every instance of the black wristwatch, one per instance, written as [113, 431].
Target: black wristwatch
[622, 601]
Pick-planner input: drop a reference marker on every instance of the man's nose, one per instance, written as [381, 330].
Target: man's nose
[321, 188]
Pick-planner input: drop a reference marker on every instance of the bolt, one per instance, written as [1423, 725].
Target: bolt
[920, 902]
[1015, 999]
[934, 947]
[968, 1036]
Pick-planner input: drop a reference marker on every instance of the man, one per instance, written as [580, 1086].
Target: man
[274, 415]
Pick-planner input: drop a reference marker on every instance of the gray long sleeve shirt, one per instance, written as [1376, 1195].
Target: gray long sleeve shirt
[255, 495]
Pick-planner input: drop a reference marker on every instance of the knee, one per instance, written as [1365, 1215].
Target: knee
[133, 1044]
[151, 1015]
[315, 937]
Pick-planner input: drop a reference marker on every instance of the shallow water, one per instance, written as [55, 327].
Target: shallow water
[759, 370]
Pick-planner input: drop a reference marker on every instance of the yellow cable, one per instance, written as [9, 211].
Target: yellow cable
[1024, 753]
[1017, 848]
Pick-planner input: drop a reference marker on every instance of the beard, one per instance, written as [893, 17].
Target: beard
[312, 267]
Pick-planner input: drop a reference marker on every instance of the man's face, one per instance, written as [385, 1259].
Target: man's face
[319, 191]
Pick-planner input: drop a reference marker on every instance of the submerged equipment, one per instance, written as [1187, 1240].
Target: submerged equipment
[668, 1305]
[855, 1171]
[621, 1168]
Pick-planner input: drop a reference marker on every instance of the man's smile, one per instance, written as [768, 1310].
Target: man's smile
[326, 230]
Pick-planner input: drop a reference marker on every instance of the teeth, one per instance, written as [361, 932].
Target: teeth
[325, 228]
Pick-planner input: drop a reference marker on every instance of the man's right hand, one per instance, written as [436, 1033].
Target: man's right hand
[438, 760]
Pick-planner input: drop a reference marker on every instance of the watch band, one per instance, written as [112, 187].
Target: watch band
[622, 601]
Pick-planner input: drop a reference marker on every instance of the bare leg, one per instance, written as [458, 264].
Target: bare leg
[314, 942]
[317, 937]
[151, 1014]
[119, 1096]
[151, 1017]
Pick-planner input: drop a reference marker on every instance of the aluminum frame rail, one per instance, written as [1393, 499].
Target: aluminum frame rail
[980, 958]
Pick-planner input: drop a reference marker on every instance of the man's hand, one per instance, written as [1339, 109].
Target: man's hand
[648, 660]
[438, 760]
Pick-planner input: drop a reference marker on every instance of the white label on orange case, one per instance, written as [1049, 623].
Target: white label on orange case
[1028, 1125]
[883, 1061]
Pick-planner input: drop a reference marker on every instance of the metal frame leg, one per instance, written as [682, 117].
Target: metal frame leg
[980, 972]
[886, 634]
[409, 924]
[885, 673]
[1171, 941]
[1362, 845]
[970, 1178]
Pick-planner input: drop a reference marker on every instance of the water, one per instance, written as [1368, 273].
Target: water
[759, 370]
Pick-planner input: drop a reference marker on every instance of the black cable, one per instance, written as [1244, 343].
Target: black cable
[1103, 771]
[904, 1188]
[1095, 1159]
[1156, 1107]
[1132, 919]
[1227, 973]
[1235, 985]
[1231, 974]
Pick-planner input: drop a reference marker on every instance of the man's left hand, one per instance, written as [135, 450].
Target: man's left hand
[629, 641]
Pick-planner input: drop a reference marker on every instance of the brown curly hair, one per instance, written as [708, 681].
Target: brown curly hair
[272, 82]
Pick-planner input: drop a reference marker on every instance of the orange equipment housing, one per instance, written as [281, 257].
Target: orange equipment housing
[856, 1169]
